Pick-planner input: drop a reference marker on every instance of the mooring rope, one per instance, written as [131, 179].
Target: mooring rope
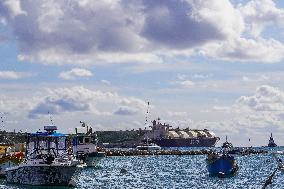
[269, 179]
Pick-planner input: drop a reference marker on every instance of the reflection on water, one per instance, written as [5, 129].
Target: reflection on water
[172, 172]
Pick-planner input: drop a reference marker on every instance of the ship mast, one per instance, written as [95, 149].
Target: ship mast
[50, 118]
[147, 114]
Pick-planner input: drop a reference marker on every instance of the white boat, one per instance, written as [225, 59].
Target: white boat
[85, 145]
[47, 161]
[148, 147]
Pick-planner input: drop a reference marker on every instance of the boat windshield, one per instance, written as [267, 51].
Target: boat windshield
[46, 145]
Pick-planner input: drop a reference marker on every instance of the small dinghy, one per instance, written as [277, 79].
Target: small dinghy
[221, 164]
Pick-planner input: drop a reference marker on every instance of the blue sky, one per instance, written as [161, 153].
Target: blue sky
[201, 64]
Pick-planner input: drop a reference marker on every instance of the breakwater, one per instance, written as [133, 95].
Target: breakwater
[134, 152]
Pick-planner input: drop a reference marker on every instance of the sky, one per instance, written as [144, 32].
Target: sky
[214, 64]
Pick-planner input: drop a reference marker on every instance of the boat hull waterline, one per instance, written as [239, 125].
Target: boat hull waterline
[195, 142]
[56, 175]
[93, 159]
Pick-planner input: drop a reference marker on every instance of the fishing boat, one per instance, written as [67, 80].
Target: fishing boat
[222, 164]
[85, 145]
[271, 142]
[47, 161]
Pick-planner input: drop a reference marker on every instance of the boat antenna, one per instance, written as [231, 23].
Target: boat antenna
[147, 113]
[2, 118]
[50, 118]
[2, 121]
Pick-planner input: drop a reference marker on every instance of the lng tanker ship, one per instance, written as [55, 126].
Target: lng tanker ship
[164, 136]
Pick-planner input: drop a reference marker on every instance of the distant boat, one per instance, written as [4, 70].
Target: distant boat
[227, 144]
[85, 145]
[148, 147]
[271, 142]
[221, 164]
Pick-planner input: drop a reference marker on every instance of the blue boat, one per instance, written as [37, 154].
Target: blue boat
[223, 165]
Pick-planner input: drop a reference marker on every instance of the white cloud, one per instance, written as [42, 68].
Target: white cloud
[142, 31]
[75, 73]
[201, 76]
[177, 114]
[81, 99]
[119, 31]
[13, 8]
[267, 98]
[106, 82]
[242, 49]
[261, 13]
[13, 75]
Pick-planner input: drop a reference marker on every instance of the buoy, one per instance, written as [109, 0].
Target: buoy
[123, 171]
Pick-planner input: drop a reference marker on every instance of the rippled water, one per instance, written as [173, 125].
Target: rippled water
[172, 172]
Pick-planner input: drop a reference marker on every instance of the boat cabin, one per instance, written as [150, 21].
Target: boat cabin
[85, 141]
[46, 145]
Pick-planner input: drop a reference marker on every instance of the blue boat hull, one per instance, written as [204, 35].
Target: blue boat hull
[222, 166]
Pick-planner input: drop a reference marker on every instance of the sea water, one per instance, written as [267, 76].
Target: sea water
[172, 172]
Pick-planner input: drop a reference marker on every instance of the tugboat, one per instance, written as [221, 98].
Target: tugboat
[222, 164]
[47, 162]
[227, 144]
[271, 142]
[85, 145]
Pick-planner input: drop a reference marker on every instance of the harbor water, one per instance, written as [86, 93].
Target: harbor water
[172, 172]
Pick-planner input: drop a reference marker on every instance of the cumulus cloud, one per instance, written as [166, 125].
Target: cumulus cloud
[267, 98]
[13, 75]
[12, 8]
[183, 24]
[260, 13]
[125, 110]
[130, 106]
[242, 49]
[81, 99]
[99, 32]
[75, 73]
